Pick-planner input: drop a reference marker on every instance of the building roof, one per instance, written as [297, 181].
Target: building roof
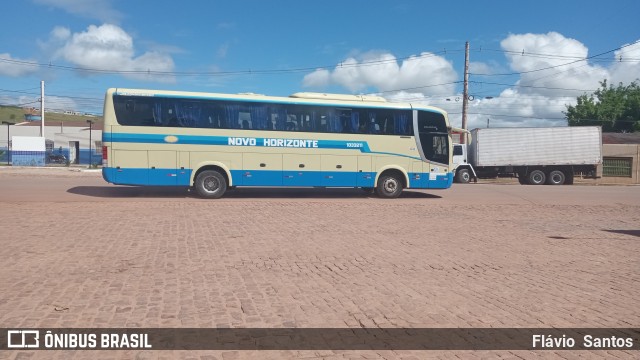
[619, 138]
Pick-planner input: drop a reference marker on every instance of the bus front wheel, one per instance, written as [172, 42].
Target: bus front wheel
[210, 184]
[389, 186]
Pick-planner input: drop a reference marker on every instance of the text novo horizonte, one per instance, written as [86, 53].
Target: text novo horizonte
[294, 143]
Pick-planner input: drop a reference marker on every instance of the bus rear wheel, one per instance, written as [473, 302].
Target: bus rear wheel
[389, 186]
[210, 184]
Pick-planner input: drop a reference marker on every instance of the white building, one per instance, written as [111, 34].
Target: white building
[72, 141]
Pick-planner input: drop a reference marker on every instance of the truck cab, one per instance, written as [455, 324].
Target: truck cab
[462, 169]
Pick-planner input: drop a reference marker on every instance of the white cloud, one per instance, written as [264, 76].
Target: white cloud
[51, 102]
[14, 67]
[558, 56]
[95, 9]
[539, 97]
[549, 67]
[60, 33]
[480, 68]
[108, 47]
[59, 103]
[627, 66]
[318, 79]
[513, 108]
[382, 71]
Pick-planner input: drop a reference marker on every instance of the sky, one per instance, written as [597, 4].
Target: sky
[528, 59]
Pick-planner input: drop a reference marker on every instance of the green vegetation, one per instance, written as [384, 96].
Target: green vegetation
[11, 114]
[617, 109]
[14, 114]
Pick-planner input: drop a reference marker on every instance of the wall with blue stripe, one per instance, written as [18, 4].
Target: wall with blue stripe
[41, 158]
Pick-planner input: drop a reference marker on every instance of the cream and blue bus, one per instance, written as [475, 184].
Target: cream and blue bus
[215, 142]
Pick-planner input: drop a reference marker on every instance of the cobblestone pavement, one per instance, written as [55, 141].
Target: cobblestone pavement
[77, 252]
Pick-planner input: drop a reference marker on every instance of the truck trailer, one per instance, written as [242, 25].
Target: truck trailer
[536, 156]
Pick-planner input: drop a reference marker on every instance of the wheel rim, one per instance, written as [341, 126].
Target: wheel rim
[465, 177]
[390, 185]
[211, 184]
[537, 178]
[556, 178]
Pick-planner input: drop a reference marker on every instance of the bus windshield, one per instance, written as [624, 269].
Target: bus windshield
[433, 135]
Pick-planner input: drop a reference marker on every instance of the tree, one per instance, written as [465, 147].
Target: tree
[616, 109]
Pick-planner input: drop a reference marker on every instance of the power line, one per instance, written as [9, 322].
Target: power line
[531, 86]
[60, 96]
[524, 53]
[515, 116]
[557, 66]
[223, 73]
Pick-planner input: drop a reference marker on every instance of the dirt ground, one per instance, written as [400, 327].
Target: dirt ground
[80, 253]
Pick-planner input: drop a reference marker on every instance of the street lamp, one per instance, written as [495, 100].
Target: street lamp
[90, 122]
[8, 153]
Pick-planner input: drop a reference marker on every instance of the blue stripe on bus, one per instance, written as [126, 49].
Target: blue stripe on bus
[174, 177]
[362, 146]
[156, 177]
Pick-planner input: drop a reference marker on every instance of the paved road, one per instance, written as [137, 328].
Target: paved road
[77, 252]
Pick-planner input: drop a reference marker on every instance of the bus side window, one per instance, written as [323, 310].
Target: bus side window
[130, 105]
[362, 125]
[322, 123]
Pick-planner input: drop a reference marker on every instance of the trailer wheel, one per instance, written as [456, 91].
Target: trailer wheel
[210, 184]
[556, 177]
[536, 177]
[463, 176]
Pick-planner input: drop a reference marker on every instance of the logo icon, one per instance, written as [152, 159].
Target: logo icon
[23, 339]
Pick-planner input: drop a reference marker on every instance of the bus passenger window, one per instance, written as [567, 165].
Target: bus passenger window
[130, 105]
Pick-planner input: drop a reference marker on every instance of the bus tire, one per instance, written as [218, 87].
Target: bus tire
[556, 177]
[463, 176]
[210, 184]
[536, 177]
[389, 186]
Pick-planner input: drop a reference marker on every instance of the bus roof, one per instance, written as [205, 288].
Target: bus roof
[340, 97]
[305, 98]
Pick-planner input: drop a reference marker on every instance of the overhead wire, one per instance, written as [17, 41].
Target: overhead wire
[559, 65]
[223, 73]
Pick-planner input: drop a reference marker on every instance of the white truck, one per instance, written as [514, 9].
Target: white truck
[536, 156]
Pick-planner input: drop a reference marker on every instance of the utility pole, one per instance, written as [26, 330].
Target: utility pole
[42, 108]
[465, 92]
